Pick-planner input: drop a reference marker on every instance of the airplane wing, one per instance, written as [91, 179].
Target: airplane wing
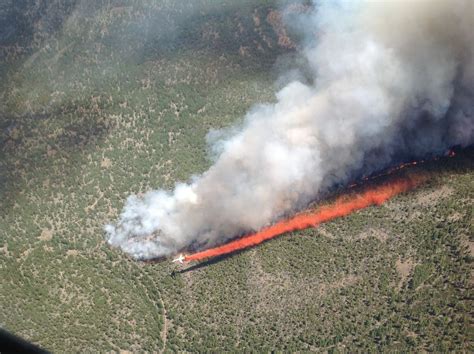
[179, 259]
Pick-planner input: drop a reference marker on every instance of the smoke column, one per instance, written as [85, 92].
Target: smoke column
[391, 80]
[341, 207]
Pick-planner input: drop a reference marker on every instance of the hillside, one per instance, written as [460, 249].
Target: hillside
[101, 101]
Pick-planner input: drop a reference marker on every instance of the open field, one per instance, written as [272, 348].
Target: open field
[101, 101]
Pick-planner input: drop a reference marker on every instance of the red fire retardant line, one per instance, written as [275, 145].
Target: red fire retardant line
[341, 207]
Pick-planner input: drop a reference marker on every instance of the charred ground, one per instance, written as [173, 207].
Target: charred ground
[101, 101]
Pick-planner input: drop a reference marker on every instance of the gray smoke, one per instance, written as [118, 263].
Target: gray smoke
[391, 79]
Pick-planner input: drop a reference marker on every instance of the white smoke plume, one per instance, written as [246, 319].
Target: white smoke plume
[391, 79]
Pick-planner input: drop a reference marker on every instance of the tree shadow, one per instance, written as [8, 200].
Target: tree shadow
[218, 31]
[22, 22]
[208, 262]
[18, 158]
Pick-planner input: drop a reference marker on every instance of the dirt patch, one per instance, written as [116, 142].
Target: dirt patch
[379, 234]
[164, 330]
[456, 216]
[338, 284]
[325, 233]
[467, 244]
[268, 288]
[433, 197]
[275, 19]
[189, 280]
[46, 235]
[50, 152]
[244, 51]
[92, 206]
[256, 19]
[48, 248]
[4, 250]
[72, 253]
[26, 253]
[105, 163]
[404, 268]
[471, 248]
[414, 215]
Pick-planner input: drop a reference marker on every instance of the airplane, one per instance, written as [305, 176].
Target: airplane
[179, 259]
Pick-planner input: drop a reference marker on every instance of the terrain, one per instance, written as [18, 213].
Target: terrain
[98, 101]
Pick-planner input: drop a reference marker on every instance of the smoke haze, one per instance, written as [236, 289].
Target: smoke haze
[390, 80]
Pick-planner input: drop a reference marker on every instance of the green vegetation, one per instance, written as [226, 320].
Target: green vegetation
[117, 98]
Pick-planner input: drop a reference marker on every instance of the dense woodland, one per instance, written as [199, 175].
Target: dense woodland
[102, 99]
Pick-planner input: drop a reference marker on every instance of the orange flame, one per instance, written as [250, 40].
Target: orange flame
[342, 206]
